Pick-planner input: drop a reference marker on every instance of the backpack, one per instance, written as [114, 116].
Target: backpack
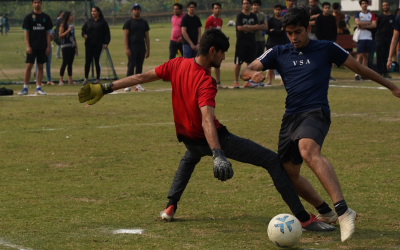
[56, 32]
[4, 91]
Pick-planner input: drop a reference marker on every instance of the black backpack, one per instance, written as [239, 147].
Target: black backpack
[4, 91]
[56, 32]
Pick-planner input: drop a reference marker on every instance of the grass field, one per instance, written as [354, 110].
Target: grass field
[72, 175]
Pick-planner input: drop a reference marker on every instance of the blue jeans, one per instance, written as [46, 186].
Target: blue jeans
[48, 66]
[188, 52]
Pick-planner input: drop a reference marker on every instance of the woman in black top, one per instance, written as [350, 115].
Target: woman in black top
[68, 46]
[97, 37]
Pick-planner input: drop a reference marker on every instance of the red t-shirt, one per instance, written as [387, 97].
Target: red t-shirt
[213, 22]
[192, 88]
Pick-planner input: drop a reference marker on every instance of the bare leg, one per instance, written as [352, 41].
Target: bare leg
[365, 59]
[27, 74]
[237, 71]
[39, 75]
[270, 75]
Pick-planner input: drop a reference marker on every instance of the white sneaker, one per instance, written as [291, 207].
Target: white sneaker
[40, 92]
[139, 87]
[347, 224]
[128, 89]
[328, 218]
[24, 91]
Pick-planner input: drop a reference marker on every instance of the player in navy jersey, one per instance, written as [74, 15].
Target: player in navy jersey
[193, 104]
[305, 66]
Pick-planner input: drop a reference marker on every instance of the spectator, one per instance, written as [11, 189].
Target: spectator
[191, 31]
[397, 12]
[175, 44]
[48, 63]
[215, 22]
[231, 23]
[394, 42]
[342, 28]
[372, 51]
[69, 47]
[383, 38]
[347, 19]
[97, 37]
[37, 40]
[289, 4]
[365, 21]
[137, 43]
[56, 35]
[1, 23]
[336, 13]
[276, 36]
[6, 24]
[263, 25]
[246, 46]
[315, 11]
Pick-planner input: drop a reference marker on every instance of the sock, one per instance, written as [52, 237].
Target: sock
[38, 87]
[303, 216]
[173, 202]
[25, 86]
[324, 208]
[341, 207]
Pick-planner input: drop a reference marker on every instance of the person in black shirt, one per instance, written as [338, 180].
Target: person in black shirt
[191, 31]
[137, 43]
[37, 26]
[97, 37]
[315, 11]
[383, 37]
[325, 24]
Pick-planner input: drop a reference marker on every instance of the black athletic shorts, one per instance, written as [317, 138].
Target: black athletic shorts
[245, 54]
[39, 54]
[313, 124]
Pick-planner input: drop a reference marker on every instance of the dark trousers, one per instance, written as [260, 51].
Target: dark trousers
[68, 55]
[136, 60]
[371, 56]
[93, 52]
[173, 49]
[382, 53]
[242, 150]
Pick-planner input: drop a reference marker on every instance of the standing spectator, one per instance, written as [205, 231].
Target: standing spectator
[1, 23]
[276, 36]
[97, 37]
[394, 42]
[342, 29]
[347, 19]
[289, 4]
[36, 26]
[260, 40]
[191, 31]
[336, 13]
[56, 34]
[315, 11]
[215, 22]
[48, 63]
[246, 46]
[365, 21]
[383, 38]
[325, 26]
[69, 47]
[137, 43]
[175, 44]
[6, 24]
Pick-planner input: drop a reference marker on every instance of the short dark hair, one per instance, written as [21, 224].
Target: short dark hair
[360, 2]
[336, 6]
[278, 6]
[256, 2]
[213, 38]
[247, 1]
[326, 3]
[180, 6]
[385, 1]
[190, 3]
[216, 3]
[296, 16]
[34, 0]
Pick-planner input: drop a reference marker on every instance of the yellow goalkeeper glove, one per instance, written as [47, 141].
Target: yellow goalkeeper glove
[92, 93]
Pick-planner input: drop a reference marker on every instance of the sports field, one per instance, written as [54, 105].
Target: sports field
[72, 176]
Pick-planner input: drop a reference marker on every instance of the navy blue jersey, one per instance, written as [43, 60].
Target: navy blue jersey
[305, 72]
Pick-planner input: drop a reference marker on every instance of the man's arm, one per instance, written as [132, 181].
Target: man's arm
[147, 40]
[186, 36]
[126, 42]
[207, 113]
[149, 76]
[48, 39]
[248, 28]
[252, 71]
[393, 45]
[28, 45]
[358, 68]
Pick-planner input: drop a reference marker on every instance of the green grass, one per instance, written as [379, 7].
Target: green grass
[71, 175]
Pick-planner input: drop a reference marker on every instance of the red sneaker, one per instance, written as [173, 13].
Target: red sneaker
[168, 213]
[316, 225]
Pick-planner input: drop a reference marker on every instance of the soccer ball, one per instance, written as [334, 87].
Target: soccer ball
[284, 230]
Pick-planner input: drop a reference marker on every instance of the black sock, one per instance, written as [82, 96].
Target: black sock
[324, 208]
[303, 216]
[173, 202]
[341, 207]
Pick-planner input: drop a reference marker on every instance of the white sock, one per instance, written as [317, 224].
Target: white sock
[25, 86]
[38, 87]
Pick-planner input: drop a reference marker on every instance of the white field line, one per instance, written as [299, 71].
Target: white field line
[356, 87]
[7, 244]
[128, 231]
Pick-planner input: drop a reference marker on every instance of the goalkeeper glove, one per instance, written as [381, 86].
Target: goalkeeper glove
[222, 167]
[92, 93]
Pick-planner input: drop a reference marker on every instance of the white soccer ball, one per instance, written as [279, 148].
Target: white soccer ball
[284, 230]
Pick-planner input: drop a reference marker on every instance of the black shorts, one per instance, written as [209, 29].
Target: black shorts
[313, 124]
[38, 54]
[245, 54]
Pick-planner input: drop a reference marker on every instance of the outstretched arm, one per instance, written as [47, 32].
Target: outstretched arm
[252, 72]
[207, 114]
[356, 67]
[149, 76]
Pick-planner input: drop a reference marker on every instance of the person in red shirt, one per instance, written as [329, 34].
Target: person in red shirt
[215, 22]
[193, 104]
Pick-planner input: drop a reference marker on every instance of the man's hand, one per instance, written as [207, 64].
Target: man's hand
[192, 46]
[128, 52]
[389, 64]
[258, 77]
[222, 167]
[92, 93]
[396, 92]
[28, 50]
[47, 52]
[147, 54]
